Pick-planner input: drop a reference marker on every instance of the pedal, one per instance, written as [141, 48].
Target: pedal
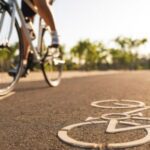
[58, 61]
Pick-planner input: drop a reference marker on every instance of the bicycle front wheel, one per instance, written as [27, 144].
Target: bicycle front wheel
[10, 50]
[52, 61]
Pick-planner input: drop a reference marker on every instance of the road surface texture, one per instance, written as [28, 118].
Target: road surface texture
[31, 117]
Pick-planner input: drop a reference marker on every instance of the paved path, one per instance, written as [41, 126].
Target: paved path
[38, 76]
[31, 117]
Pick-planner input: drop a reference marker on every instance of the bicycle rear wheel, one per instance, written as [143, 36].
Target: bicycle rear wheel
[52, 62]
[11, 50]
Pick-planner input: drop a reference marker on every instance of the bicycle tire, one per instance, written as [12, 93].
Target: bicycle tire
[15, 56]
[52, 72]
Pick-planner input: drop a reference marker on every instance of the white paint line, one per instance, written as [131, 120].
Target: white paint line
[117, 104]
[63, 135]
[6, 96]
[137, 110]
[115, 116]
[111, 120]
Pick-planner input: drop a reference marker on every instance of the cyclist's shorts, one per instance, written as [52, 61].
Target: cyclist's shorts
[27, 11]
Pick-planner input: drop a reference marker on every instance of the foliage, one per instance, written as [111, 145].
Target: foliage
[88, 55]
[95, 55]
[7, 55]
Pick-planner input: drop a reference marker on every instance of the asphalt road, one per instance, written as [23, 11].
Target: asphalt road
[31, 117]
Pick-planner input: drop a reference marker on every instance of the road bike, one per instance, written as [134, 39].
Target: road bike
[111, 121]
[12, 48]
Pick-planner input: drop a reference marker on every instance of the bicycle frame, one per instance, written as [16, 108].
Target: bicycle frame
[47, 56]
[14, 7]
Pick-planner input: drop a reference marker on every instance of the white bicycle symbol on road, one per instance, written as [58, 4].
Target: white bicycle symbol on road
[112, 120]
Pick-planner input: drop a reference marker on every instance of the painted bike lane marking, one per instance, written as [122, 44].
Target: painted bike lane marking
[111, 120]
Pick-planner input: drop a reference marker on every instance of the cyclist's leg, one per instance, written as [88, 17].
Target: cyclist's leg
[45, 12]
[27, 12]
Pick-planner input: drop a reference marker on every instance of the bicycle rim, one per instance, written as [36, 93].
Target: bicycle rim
[51, 66]
[10, 54]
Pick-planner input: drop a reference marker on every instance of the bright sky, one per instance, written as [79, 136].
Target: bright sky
[102, 20]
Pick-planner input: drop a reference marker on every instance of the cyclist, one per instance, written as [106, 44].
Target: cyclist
[45, 12]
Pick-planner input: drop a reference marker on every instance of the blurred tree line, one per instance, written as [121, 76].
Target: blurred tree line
[87, 55]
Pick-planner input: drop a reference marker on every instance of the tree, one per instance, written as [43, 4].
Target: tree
[90, 54]
[122, 59]
[129, 47]
[80, 49]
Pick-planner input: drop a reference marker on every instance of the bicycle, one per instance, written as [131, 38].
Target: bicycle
[12, 48]
[111, 121]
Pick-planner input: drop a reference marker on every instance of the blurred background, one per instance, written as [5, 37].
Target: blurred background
[104, 34]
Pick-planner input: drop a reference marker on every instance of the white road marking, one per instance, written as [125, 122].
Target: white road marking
[111, 120]
[6, 96]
